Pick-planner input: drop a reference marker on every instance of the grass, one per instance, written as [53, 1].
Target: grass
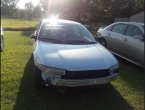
[18, 91]
[18, 23]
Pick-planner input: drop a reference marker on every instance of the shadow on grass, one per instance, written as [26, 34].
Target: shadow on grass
[132, 74]
[19, 29]
[27, 33]
[124, 63]
[98, 98]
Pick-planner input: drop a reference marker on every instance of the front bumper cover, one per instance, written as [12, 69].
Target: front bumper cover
[83, 82]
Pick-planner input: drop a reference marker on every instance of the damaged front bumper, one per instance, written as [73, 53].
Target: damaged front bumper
[82, 82]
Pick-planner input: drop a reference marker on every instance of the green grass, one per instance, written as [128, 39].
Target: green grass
[18, 23]
[18, 91]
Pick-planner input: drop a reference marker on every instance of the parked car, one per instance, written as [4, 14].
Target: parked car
[2, 40]
[125, 39]
[66, 54]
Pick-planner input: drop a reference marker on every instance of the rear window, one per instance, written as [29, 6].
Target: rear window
[133, 31]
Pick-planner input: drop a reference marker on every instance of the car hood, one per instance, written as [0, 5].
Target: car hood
[76, 57]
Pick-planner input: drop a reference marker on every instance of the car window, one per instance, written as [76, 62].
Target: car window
[109, 28]
[65, 33]
[119, 28]
[133, 31]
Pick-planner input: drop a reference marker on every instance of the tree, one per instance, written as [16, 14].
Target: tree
[29, 7]
[139, 5]
[44, 4]
[37, 12]
[8, 8]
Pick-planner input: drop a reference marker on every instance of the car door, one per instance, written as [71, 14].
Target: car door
[134, 44]
[116, 38]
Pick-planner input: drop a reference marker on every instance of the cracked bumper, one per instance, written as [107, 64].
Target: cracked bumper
[83, 82]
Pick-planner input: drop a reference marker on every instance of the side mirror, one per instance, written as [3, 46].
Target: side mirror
[33, 36]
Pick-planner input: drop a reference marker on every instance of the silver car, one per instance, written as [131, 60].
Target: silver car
[125, 39]
[66, 54]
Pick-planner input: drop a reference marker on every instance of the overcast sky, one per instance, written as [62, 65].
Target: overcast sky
[21, 3]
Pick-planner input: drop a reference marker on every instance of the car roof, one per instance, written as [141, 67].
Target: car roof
[135, 23]
[61, 21]
[140, 25]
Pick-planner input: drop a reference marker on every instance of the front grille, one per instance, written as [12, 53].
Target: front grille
[86, 74]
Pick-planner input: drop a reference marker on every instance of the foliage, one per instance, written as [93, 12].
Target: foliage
[94, 11]
[29, 7]
[8, 8]
[44, 5]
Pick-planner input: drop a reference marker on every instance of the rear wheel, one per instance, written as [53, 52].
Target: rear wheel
[39, 82]
[103, 42]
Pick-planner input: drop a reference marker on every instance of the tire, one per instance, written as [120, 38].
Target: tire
[103, 42]
[39, 82]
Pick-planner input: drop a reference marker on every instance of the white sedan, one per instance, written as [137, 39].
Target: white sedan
[66, 54]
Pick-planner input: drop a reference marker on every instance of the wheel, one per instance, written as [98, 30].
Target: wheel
[103, 42]
[39, 82]
[2, 43]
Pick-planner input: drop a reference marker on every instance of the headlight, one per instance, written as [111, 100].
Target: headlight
[114, 67]
[51, 70]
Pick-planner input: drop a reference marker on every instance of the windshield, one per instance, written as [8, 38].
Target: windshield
[66, 33]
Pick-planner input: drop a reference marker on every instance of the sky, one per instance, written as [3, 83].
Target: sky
[21, 3]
